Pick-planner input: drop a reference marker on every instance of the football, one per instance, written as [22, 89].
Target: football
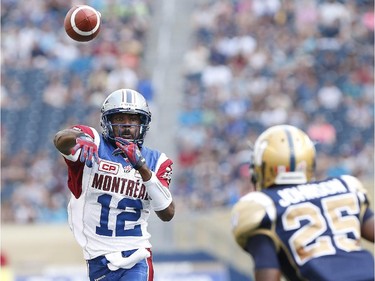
[82, 23]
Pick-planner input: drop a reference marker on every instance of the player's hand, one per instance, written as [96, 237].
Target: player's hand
[89, 150]
[131, 151]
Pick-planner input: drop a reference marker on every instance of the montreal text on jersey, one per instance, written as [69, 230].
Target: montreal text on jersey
[119, 185]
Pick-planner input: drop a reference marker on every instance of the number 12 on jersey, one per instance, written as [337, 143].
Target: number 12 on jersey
[131, 213]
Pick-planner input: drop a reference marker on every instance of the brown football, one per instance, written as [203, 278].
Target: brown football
[82, 23]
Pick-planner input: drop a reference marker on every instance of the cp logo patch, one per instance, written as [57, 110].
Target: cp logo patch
[109, 167]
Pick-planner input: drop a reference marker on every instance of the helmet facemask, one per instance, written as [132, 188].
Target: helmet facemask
[129, 102]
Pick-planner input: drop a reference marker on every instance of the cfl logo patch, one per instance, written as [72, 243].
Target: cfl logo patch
[127, 168]
[109, 167]
[167, 174]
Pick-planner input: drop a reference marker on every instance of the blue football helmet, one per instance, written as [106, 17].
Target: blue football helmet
[125, 101]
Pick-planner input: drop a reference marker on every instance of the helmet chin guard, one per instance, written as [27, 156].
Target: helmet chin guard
[125, 101]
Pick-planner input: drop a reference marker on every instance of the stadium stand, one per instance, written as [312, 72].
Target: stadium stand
[248, 65]
[254, 64]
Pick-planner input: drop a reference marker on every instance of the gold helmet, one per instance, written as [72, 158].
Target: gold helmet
[283, 154]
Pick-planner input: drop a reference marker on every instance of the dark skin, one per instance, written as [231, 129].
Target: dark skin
[367, 230]
[268, 274]
[65, 140]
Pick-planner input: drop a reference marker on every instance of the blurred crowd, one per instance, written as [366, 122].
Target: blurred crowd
[258, 63]
[251, 64]
[50, 82]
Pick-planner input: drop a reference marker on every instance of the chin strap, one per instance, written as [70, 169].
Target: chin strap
[160, 196]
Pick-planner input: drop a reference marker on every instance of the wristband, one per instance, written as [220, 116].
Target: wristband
[140, 163]
[160, 196]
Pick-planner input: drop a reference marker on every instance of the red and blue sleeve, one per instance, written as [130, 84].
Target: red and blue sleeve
[75, 169]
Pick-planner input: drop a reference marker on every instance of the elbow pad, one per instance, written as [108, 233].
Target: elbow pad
[160, 196]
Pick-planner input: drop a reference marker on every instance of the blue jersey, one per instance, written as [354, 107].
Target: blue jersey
[314, 227]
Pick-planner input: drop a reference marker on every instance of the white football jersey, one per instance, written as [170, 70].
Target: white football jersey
[110, 206]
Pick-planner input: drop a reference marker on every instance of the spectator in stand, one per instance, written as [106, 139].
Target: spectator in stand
[44, 74]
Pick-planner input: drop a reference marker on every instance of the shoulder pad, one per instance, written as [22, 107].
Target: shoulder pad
[354, 185]
[248, 213]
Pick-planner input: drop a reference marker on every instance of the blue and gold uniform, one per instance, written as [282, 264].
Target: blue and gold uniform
[296, 226]
[314, 229]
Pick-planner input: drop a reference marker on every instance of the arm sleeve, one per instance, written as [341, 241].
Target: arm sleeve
[263, 252]
[75, 167]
